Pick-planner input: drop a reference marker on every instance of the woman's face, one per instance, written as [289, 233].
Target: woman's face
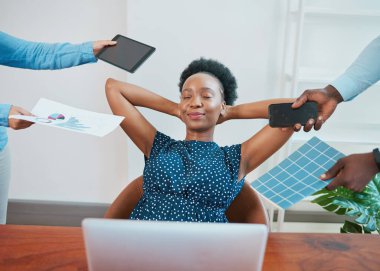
[201, 102]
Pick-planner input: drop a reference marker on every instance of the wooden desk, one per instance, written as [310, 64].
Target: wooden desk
[61, 248]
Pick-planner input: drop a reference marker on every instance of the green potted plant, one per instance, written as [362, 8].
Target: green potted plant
[363, 206]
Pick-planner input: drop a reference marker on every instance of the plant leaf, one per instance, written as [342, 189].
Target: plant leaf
[342, 230]
[363, 219]
[371, 225]
[351, 227]
[352, 212]
[365, 205]
[323, 198]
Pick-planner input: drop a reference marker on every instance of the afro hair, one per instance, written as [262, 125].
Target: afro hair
[218, 70]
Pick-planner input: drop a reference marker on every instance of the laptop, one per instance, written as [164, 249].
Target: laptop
[113, 244]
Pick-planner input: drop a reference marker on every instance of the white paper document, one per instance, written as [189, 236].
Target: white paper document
[66, 117]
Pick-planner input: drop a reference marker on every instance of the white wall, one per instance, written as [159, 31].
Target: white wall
[51, 164]
[333, 35]
[245, 35]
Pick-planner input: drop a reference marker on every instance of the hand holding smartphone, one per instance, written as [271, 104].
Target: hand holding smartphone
[283, 115]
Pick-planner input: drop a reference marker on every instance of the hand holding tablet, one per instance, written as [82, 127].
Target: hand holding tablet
[127, 54]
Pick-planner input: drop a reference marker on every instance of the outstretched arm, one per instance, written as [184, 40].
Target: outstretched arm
[363, 73]
[25, 54]
[123, 97]
[263, 144]
[254, 110]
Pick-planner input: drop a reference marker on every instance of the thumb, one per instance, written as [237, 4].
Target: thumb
[24, 112]
[300, 101]
[333, 171]
[20, 111]
[105, 42]
[109, 42]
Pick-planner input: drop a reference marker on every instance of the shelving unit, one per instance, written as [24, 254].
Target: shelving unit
[309, 25]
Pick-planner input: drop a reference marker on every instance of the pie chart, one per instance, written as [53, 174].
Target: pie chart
[56, 116]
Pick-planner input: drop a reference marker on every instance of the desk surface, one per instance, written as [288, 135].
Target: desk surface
[62, 248]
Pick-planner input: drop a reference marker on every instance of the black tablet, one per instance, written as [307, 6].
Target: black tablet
[127, 54]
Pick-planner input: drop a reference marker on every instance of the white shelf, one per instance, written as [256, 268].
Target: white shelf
[346, 130]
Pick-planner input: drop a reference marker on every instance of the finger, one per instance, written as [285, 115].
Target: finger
[328, 109]
[309, 125]
[109, 42]
[297, 127]
[103, 43]
[359, 188]
[333, 171]
[24, 112]
[19, 124]
[25, 124]
[100, 44]
[334, 184]
[318, 123]
[300, 101]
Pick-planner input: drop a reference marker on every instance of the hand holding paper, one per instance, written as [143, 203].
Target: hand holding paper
[18, 124]
[62, 116]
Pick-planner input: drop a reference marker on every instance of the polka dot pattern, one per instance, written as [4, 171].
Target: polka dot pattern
[191, 181]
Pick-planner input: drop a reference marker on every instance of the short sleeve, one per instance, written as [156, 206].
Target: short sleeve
[160, 141]
[232, 156]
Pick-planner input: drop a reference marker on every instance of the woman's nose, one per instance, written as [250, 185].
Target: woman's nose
[196, 101]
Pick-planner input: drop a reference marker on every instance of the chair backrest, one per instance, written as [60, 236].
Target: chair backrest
[246, 207]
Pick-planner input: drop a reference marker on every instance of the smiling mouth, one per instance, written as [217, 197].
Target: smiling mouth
[195, 116]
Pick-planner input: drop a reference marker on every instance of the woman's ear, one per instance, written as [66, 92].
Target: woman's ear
[224, 107]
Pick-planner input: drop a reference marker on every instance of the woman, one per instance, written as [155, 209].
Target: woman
[193, 179]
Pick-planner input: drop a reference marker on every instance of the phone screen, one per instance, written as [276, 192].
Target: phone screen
[283, 115]
[127, 54]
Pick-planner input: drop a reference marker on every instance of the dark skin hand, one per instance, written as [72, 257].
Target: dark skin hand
[327, 99]
[353, 172]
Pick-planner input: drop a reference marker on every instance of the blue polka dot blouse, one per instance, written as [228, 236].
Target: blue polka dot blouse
[189, 181]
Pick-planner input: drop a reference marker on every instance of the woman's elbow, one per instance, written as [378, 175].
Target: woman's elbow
[111, 85]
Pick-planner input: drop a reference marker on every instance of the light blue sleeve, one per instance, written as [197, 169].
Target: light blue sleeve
[4, 113]
[362, 74]
[15, 52]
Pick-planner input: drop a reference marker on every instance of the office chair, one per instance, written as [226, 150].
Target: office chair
[246, 207]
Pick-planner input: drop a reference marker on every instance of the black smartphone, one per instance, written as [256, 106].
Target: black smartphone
[127, 54]
[283, 115]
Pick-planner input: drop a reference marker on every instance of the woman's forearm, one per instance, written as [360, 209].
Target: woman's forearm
[261, 146]
[139, 96]
[255, 110]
